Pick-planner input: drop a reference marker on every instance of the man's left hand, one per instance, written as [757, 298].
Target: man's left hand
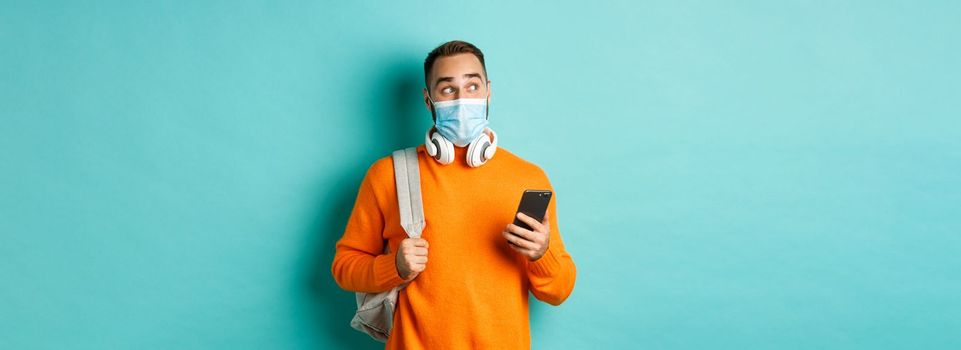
[529, 243]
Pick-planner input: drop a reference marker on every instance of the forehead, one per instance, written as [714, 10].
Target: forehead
[456, 66]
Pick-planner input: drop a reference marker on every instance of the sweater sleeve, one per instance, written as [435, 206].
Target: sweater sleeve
[552, 276]
[360, 264]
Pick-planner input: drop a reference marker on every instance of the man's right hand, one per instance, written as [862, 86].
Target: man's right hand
[411, 258]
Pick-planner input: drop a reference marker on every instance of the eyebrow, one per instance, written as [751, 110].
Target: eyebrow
[466, 76]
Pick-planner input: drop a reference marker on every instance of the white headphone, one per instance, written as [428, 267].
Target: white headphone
[479, 151]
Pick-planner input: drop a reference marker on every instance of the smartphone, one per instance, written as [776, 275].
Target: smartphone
[534, 204]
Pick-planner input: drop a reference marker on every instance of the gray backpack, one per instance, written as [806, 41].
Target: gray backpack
[375, 311]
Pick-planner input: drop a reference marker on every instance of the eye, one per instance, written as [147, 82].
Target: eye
[447, 90]
[472, 87]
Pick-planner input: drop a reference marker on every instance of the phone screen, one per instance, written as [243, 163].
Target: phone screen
[534, 204]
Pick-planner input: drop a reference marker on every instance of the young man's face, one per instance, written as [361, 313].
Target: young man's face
[455, 77]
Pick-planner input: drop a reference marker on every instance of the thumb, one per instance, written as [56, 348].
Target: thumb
[412, 276]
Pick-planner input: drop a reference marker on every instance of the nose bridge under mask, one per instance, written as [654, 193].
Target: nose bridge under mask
[459, 104]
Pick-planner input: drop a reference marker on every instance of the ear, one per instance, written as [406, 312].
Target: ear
[430, 108]
[426, 100]
[487, 112]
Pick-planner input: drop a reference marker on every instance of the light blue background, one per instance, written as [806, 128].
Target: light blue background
[779, 175]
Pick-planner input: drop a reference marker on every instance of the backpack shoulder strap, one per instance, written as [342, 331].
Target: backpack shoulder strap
[407, 179]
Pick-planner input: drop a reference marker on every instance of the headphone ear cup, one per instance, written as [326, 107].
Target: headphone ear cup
[477, 151]
[489, 151]
[445, 149]
[429, 145]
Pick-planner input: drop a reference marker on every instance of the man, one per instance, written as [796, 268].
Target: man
[471, 270]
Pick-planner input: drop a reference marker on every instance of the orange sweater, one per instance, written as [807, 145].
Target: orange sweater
[473, 293]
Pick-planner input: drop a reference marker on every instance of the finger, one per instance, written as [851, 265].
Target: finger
[522, 232]
[530, 222]
[547, 218]
[419, 242]
[417, 259]
[419, 251]
[519, 250]
[519, 242]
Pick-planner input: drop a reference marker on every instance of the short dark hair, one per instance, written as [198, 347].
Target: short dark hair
[451, 48]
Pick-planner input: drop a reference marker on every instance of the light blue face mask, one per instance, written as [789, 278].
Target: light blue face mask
[461, 121]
